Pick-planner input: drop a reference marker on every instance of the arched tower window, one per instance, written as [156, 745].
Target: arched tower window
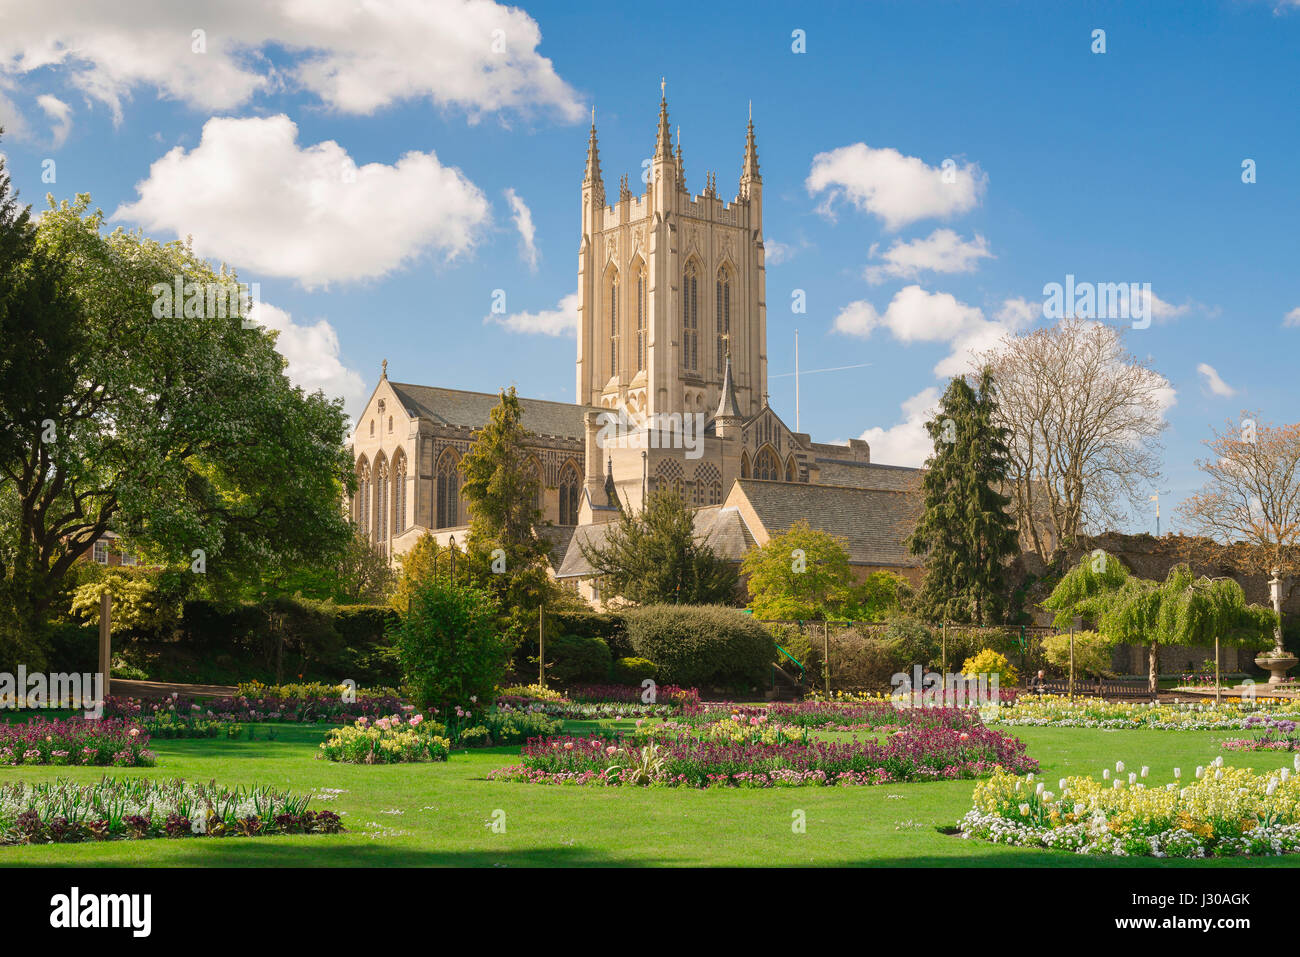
[767, 465]
[723, 314]
[570, 488]
[640, 317]
[448, 490]
[691, 318]
[613, 325]
[744, 465]
[791, 469]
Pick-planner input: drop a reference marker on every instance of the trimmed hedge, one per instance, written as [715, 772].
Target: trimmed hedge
[578, 659]
[702, 645]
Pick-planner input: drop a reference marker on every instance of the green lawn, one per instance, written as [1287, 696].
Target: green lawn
[439, 814]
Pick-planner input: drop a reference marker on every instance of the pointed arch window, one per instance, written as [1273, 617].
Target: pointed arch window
[691, 318]
[791, 470]
[381, 506]
[640, 318]
[363, 499]
[448, 490]
[767, 465]
[533, 474]
[744, 465]
[570, 486]
[399, 493]
[613, 325]
[723, 313]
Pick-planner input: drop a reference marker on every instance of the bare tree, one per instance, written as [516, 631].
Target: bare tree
[1253, 496]
[1085, 418]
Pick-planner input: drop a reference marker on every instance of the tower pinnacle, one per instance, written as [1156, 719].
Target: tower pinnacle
[664, 143]
[749, 171]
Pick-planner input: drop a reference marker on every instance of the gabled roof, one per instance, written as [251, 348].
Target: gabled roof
[869, 475]
[722, 529]
[875, 522]
[472, 410]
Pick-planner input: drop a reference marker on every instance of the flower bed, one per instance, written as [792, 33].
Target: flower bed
[683, 698]
[76, 741]
[168, 724]
[501, 725]
[387, 740]
[876, 715]
[1056, 711]
[592, 711]
[297, 704]
[134, 808]
[1222, 811]
[1279, 735]
[742, 757]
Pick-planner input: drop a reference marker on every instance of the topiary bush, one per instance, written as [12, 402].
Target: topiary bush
[576, 659]
[633, 671]
[452, 652]
[702, 645]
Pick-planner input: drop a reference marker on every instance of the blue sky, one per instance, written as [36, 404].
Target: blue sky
[1122, 166]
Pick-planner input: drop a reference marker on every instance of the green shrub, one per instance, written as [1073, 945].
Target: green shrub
[914, 642]
[990, 662]
[633, 671]
[1091, 653]
[702, 645]
[450, 648]
[576, 659]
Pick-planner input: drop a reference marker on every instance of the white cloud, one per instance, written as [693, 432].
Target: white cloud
[776, 252]
[915, 315]
[1292, 318]
[942, 251]
[312, 353]
[251, 196]
[560, 321]
[1214, 382]
[474, 55]
[899, 189]
[523, 217]
[60, 115]
[907, 442]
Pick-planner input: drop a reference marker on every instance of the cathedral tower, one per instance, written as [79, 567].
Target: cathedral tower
[668, 284]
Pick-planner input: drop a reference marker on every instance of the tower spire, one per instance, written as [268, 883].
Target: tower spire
[728, 407]
[664, 143]
[749, 171]
[681, 164]
[592, 175]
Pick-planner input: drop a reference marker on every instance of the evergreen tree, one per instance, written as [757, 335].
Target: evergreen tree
[966, 530]
[654, 557]
[505, 553]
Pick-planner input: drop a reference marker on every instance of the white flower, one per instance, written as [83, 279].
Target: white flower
[1024, 809]
[1119, 766]
[1145, 770]
[1200, 772]
[1132, 778]
[1105, 775]
[1178, 773]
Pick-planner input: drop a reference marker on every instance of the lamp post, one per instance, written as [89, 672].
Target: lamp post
[452, 543]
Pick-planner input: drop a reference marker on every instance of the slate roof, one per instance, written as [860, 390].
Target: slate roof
[472, 410]
[557, 538]
[722, 529]
[874, 521]
[870, 475]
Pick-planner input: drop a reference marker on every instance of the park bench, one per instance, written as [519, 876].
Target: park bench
[1106, 688]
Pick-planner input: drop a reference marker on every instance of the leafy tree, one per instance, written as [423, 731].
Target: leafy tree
[137, 600]
[966, 530]
[1181, 610]
[180, 430]
[417, 566]
[654, 557]
[1091, 652]
[802, 574]
[450, 647]
[876, 597]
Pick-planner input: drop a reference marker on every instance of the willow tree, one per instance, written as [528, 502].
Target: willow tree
[1182, 610]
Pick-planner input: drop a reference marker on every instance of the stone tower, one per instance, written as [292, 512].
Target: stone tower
[668, 284]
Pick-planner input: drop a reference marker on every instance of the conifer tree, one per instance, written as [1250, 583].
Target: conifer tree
[966, 531]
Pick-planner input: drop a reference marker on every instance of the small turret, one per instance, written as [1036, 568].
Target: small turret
[727, 419]
[591, 179]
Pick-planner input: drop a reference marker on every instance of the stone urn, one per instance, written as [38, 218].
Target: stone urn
[1277, 664]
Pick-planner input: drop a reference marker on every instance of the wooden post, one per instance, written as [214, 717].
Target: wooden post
[541, 645]
[826, 650]
[943, 649]
[105, 639]
[1071, 659]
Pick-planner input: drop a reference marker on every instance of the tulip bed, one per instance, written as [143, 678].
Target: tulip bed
[387, 740]
[749, 750]
[287, 703]
[1062, 712]
[75, 741]
[1221, 812]
[1279, 735]
[868, 715]
[63, 812]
